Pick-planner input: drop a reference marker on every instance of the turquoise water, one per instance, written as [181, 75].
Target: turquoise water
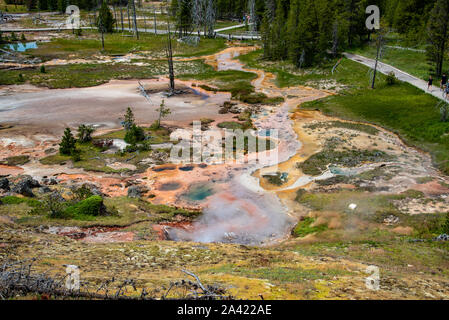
[199, 192]
[21, 47]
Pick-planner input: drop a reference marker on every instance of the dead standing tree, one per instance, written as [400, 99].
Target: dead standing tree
[121, 17]
[380, 43]
[136, 30]
[102, 30]
[203, 16]
[155, 22]
[171, 72]
[210, 19]
[252, 15]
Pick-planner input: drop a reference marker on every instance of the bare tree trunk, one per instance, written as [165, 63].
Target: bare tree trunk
[210, 18]
[121, 17]
[136, 31]
[441, 54]
[252, 14]
[335, 39]
[155, 23]
[170, 62]
[129, 19]
[379, 44]
[102, 39]
[115, 17]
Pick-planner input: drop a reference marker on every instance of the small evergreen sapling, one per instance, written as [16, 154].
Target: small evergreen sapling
[67, 145]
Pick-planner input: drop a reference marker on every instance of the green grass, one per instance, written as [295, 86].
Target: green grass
[305, 227]
[238, 83]
[279, 274]
[93, 159]
[74, 75]
[16, 160]
[367, 203]
[276, 179]
[161, 135]
[351, 75]
[318, 163]
[424, 180]
[231, 125]
[89, 45]
[18, 200]
[234, 81]
[412, 62]
[344, 125]
[11, 8]
[121, 211]
[391, 255]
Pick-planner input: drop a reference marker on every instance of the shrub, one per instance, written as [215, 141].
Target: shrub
[82, 193]
[445, 228]
[85, 133]
[443, 107]
[17, 160]
[231, 125]
[16, 200]
[129, 121]
[391, 79]
[134, 135]
[76, 155]
[67, 145]
[303, 228]
[43, 69]
[92, 206]
[55, 205]
[105, 20]
[278, 179]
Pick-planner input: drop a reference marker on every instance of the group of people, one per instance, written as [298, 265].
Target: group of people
[444, 85]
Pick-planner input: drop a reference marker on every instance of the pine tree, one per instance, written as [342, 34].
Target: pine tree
[105, 20]
[85, 133]
[163, 112]
[438, 33]
[278, 32]
[52, 4]
[67, 145]
[184, 17]
[62, 5]
[129, 119]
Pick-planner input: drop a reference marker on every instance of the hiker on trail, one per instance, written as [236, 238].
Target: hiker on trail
[443, 81]
[430, 83]
[446, 90]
